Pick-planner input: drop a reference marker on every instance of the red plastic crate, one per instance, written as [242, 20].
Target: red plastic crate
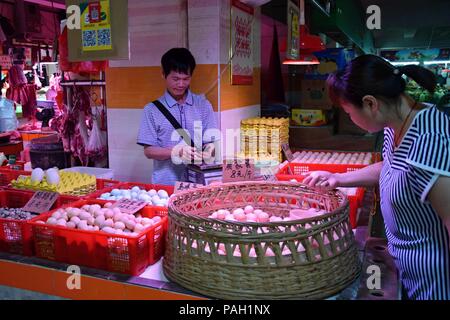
[16, 235]
[297, 170]
[100, 250]
[105, 183]
[7, 175]
[129, 185]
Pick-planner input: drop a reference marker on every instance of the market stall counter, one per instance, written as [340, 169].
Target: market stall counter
[34, 278]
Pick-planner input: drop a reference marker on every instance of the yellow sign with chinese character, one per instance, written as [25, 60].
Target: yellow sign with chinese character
[96, 26]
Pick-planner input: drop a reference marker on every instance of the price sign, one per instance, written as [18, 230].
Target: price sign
[41, 201]
[287, 152]
[129, 206]
[238, 170]
[181, 186]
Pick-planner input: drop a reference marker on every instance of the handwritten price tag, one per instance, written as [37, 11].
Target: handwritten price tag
[238, 170]
[287, 152]
[129, 206]
[41, 201]
[181, 186]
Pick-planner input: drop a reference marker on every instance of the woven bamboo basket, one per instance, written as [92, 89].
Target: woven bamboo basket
[311, 258]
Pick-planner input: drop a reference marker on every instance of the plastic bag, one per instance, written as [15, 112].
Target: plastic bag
[97, 142]
[8, 119]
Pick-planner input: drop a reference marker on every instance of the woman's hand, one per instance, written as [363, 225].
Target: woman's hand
[322, 180]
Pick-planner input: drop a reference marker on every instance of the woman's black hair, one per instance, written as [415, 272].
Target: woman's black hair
[178, 60]
[372, 75]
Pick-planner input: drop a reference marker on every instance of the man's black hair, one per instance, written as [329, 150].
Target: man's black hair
[179, 60]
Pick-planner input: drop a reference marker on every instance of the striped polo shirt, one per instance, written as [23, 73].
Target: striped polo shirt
[417, 237]
[156, 130]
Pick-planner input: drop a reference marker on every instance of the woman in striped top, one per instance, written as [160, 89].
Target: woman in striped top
[414, 176]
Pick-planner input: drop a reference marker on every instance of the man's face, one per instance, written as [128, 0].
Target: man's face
[177, 83]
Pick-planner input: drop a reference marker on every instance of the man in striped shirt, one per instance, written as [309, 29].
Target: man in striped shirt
[194, 113]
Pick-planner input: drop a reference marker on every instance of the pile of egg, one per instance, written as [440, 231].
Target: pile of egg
[16, 214]
[334, 158]
[106, 219]
[158, 198]
[249, 214]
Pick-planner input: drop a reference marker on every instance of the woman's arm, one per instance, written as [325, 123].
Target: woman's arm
[440, 200]
[366, 177]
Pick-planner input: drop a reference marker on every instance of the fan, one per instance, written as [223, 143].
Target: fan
[45, 115]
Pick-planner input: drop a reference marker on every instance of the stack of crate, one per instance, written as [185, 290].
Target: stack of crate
[262, 138]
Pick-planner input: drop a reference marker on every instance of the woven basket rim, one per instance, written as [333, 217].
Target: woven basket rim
[333, 193]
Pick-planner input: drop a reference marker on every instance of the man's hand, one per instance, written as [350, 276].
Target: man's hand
[190, 155]
[209, 153]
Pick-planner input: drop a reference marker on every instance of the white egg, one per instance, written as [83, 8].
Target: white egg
[37, 175]
[146, 221]
[156, 219]
[119, 225]
[135, 189]
[82, 225]
[117, 217]
[155, 198]
[52, 176]
[134, 195]
[115, 192]
[108, 223]
[86, 207]
[85, 215]
[99, 221]
[61, 222]
[56, 215]
[130, 225]
[52, 221]
[152, 192]
[138, 227]
[163, 194]
[91, 220]
[108, 230]
[71, 225]
[107, 205]
[75, 220]
[248, 209]
[109, 213]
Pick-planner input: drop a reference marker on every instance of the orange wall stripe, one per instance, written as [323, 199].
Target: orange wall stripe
[53, 282]
[134, 87]
[238, 96]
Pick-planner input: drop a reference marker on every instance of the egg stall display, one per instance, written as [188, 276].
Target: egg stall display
[153, 197]
[323, 157]
[95, 218]
[54, 180]
[96, 234]
[238, 231]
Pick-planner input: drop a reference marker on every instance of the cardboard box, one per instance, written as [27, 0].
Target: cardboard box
[314, 95]
[309, 117]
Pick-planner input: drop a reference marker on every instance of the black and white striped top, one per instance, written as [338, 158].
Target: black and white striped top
[417, 238]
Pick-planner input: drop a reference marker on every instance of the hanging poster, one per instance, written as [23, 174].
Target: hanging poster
[293, 44]
[241, 43]
[96, 26]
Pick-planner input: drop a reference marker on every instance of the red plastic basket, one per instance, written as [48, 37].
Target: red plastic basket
[129, 185]
[16, 235]
[7, 175]
[296, 171]
[100, 250]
